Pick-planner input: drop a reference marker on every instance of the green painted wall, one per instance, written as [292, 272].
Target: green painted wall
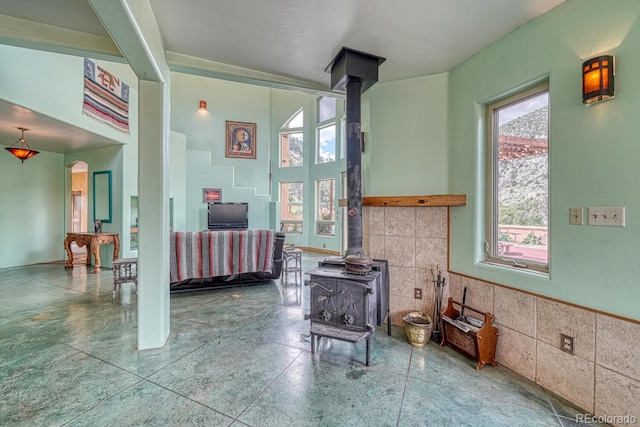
[405, 123]
[593, 152]
[31, 209]
[205, 130]
[178, 179]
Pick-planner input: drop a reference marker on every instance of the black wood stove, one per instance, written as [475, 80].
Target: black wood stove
[350, 296]
[348, 306]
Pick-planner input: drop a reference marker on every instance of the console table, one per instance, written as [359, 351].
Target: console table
[92, 241]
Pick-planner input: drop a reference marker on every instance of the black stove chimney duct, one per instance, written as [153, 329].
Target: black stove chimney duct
[354, 72]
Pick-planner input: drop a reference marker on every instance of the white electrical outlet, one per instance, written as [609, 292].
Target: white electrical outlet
[607, 216]
[575, 216]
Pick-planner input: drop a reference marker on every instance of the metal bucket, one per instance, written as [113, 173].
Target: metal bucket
[417, 328]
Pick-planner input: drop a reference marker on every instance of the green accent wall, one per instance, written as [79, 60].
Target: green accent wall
[405, 123]
[593, 152]
[205, 130]
[31, 209]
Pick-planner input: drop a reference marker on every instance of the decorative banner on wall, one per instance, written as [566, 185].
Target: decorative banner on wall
[106, 98]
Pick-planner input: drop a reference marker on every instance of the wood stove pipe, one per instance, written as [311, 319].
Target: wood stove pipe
[354, 72]
[354, 168]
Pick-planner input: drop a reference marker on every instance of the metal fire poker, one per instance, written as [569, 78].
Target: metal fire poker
[439, 284]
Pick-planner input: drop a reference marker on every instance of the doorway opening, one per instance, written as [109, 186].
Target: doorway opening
[79, 206]
[79, 196]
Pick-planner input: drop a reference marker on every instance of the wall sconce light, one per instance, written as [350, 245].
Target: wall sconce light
[23, 152]
[597, 79]
[203, 105]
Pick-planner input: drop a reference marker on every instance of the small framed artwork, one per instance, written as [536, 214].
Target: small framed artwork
[210, 195]
[241, 140]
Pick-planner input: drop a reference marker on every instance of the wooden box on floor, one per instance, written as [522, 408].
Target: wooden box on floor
[477, 341]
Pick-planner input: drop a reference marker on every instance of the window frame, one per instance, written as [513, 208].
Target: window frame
[287, 129]
[290, 132]
[319, 108]
[286, 222]
[491, 184]
[319, 128]
[320, 222]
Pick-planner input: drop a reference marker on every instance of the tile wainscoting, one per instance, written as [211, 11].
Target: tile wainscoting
[602, 377]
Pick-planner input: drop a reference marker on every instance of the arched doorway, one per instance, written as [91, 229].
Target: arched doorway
[79, 196]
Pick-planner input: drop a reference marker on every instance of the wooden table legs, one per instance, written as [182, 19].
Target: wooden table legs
[92, 241]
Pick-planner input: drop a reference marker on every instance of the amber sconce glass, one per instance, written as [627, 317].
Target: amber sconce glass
[598, 79]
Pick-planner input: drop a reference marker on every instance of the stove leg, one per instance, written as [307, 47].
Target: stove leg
[368, 349]
[313, 343]
[388, 321]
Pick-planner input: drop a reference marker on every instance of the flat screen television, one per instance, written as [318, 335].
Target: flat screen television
[232, 216]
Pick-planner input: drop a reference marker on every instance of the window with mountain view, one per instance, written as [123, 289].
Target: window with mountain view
[326, 216]
[518, 196]
[292, 142]
[291, 204]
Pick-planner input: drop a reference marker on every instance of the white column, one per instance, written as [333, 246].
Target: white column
[133, 28]
[153, 214]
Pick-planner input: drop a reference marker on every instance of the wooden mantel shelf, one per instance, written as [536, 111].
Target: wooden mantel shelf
[413, 201]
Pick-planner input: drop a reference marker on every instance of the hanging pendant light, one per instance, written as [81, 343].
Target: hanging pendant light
[23, 152]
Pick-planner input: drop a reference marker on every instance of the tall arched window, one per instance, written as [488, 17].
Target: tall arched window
[292, 142]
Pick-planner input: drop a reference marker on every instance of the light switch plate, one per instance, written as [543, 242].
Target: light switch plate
[575, 216]
[606, 216]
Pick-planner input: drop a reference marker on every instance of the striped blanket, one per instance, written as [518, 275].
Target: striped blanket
[106, 97]
[203, 254]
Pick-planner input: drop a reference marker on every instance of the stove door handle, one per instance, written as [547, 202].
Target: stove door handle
[314, 284]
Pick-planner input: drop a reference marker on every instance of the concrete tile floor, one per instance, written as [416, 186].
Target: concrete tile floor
[235, 357]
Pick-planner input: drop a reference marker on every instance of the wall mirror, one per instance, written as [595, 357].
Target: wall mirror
[102, 196]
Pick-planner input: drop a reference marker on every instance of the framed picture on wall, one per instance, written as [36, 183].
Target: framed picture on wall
[241, 140]
[211, 195]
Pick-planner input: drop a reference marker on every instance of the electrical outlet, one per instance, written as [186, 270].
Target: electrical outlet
[566, 344]
[607, 217]
[417, 293]
[575, 216]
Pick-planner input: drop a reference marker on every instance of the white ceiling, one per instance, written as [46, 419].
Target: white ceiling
[290, 38]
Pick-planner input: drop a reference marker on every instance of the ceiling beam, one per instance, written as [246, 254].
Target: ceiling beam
[133, 28]
[202, 67]
[34, 35]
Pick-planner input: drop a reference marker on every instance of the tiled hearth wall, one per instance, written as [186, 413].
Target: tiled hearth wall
[603, 377]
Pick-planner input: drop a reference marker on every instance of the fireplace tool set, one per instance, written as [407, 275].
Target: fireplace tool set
[439, 283]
